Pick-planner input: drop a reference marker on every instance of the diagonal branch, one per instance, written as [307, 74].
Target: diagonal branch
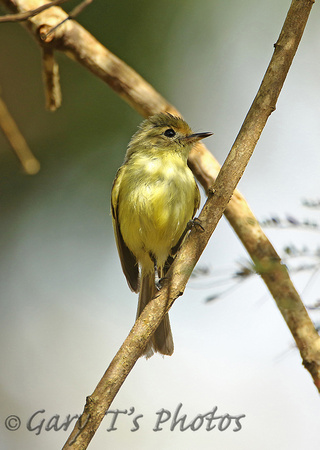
[76, 42]
[28, 161]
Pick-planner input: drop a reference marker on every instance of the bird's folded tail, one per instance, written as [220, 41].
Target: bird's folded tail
[162, 340]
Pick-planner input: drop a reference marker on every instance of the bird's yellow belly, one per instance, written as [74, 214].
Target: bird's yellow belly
[157, 209]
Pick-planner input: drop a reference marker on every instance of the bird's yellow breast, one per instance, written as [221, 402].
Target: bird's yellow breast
[157, 198]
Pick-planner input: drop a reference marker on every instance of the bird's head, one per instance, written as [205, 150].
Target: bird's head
[165, 132]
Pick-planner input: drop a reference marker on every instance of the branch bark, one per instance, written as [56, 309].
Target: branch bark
[51, 80]
[76, 42]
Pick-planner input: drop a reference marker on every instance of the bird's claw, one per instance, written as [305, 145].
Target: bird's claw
[196, 222]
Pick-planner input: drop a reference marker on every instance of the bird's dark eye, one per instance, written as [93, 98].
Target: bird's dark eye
[169, 132]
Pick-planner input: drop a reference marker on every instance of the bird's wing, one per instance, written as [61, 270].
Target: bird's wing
[128, 261]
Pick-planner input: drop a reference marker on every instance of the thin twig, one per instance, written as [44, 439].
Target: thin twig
[18, 143]
[79, 8]
[20, 17]
[72, 15]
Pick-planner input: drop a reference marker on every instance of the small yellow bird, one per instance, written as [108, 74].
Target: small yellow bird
[154, 197]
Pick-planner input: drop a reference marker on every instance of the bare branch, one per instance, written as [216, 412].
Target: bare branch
[50, 72]
[18, 143]
[20, 17]
[79, 8]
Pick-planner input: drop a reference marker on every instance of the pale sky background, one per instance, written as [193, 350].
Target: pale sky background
[65, 304]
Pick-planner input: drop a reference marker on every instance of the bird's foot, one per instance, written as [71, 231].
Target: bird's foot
[196, 222]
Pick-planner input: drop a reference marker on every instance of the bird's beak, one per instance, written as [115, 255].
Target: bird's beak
[197, 136]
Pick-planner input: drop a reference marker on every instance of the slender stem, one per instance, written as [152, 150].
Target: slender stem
[18, 143]
[25, 15]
